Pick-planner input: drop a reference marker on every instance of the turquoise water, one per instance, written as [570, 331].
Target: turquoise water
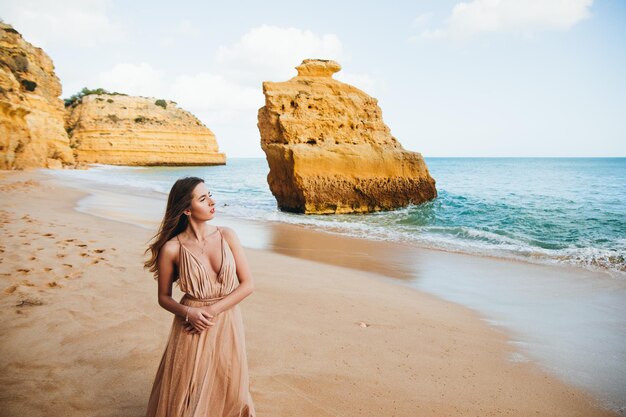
[548, 210]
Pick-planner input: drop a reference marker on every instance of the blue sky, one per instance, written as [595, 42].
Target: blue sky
[473, 78]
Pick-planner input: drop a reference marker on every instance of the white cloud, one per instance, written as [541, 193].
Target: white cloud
[202, 93]
[215, 92]
[83, 23]
[272, 53]
[134, 79]
[231, 92]
[517, 16]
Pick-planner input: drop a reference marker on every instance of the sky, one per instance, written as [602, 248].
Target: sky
[478, 78]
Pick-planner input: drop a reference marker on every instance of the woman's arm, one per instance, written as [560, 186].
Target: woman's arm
[166, 264]
[246, 282]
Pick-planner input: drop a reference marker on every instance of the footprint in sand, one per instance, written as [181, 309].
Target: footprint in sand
[32, 258]
[48, 235]
[98, 250]
[73, 275]
[82, 246]
[24, 270]
[363, 324]
[54, 284]
[26, 302]
[67, 265]
[61, 255]
[48, 269]
[11, 289]
[69, 240]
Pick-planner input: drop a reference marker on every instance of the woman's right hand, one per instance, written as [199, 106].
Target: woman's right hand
[198, 320]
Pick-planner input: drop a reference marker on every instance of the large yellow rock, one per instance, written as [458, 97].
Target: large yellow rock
[127, 130]
[32, 132]
[329, 150]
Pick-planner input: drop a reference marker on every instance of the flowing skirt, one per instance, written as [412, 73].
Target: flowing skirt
[206, 374]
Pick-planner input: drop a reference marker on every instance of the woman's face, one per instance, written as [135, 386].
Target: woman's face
[202, 205]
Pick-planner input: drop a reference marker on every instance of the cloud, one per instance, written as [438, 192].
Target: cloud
[215, 92]
[272, 53]
[201, 93]
[134, 79]
[517, 16]
[83, 23]
[231, 91]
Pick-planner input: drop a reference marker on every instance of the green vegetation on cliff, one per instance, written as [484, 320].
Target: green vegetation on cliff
[86, 92]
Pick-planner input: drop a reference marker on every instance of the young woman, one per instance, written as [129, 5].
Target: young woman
[204, 370]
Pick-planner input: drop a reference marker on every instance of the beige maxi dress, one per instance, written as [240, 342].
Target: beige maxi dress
[206, 374]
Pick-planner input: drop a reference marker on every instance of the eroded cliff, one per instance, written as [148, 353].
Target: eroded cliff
[127, 130]
[32, 130]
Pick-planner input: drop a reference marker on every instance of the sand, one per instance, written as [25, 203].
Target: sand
[82, 334]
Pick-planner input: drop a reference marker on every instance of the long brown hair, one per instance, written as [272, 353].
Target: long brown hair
[174, 220]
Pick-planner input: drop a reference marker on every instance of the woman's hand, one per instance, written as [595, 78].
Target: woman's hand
[198, 320]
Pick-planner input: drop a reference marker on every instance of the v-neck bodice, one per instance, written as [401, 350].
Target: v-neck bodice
[194, 277]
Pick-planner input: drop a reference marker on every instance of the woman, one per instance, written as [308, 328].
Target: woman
[203, 371]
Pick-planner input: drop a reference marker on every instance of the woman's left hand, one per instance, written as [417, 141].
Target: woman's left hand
[212, 312]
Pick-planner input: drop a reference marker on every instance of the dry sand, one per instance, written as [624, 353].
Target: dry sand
[82, 333]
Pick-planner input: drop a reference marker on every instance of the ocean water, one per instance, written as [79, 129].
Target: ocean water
[547, 210]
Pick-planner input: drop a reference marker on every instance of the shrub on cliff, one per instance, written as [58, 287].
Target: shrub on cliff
[161, 102]
[76, 98]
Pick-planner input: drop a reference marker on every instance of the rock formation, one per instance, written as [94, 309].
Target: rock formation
[330, 152]
[127, 130]
[32, 132]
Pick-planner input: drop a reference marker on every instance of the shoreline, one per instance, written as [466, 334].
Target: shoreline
[568, 319]
[400, 320]
[106, 179]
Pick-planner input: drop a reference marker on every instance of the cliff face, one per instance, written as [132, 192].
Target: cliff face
[32, 130]
[126, 130]
[329, 150]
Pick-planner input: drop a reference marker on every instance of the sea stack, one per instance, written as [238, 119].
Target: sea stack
[32, 133]
[117, 129]
[329, 150]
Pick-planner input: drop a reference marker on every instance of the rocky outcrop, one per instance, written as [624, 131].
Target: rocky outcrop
[32, 132]
[126, 130]
[330, 152]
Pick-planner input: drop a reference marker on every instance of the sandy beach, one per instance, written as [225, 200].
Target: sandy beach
[82, 333]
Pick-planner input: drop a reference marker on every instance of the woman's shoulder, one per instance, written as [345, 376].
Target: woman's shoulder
[227, 231]
[171, 247]
[230, 235]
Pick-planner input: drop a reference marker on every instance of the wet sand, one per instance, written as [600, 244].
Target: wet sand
[82, 333]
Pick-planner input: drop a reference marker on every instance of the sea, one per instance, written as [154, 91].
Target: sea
[544, 210]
